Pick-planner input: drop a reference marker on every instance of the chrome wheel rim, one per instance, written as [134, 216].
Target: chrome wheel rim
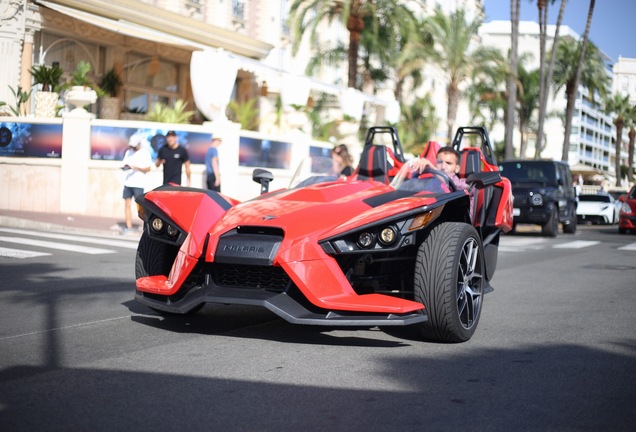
[469, 284]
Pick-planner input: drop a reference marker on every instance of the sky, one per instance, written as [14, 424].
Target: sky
[613, 28]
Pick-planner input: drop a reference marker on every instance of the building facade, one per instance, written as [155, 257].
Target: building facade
[592, 142]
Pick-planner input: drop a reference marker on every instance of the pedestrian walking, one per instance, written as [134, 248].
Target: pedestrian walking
[213, 178]
[173, 157]
[137, 162]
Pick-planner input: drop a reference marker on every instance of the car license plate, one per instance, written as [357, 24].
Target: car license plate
[516, 211]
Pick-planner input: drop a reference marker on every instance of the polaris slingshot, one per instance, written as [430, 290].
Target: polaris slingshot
[386, 246]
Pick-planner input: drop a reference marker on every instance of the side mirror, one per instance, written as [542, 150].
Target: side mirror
[263, 177]
[621, 198]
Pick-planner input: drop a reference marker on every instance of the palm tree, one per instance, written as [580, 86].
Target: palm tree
[455, 54]
[620, 107]
[486, 99]
[511, 85]
[418, 124]
[632, 138]
[357, 15]
[593, 77]
[546, 76]
[579, 71]
[528, 103]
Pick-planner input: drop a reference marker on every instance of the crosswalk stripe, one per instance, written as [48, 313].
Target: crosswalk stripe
[58, 246]
[127, 244]
[577, 244]
[20, 254]
[629, 247]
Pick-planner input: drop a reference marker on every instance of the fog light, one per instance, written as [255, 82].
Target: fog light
[156, 224]
[365, 240]
[388, 236]
[172, 231]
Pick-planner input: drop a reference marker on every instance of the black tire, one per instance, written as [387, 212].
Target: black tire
[449, 281]
[621, 230]
[156, 258]
[153, 257]
[551, 227]
[570, 228]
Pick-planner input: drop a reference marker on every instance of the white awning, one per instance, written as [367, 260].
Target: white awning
[123, 27]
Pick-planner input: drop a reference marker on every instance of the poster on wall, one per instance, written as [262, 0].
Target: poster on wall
[111, 142]
[264, 153]
[30, 140]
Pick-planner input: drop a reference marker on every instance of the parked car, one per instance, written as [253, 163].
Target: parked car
[543, 194]
[357, 251]
[617, 192]
[627, 215]
[598, 208]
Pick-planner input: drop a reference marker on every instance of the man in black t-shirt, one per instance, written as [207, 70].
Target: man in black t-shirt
[173, 157]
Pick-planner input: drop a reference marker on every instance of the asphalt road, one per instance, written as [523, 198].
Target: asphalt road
[555, 350]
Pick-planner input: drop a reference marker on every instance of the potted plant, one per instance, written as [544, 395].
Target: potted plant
[46, 98]
[109, 106]
[163, 113]
[80, 90]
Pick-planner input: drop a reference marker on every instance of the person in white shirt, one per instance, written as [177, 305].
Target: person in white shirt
[137, 162]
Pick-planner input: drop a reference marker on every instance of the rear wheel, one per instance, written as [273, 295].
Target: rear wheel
[570, 227]
[449, 281]
[551, 227]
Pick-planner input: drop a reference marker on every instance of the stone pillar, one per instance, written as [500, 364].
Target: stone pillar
[76, 154]
[11, 36]
[17, 26]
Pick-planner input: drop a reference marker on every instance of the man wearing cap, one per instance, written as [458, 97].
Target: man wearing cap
[212, 165]
[137, 162]
[173, 157]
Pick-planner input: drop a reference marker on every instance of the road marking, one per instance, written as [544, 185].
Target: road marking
[520, 244]
[127, 244]
[20, 254]
[628, 247]
[58, 246]
[577, 244]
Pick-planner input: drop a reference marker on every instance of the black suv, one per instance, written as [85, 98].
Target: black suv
[543, 194]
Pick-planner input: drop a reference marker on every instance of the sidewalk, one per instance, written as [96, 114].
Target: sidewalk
[108, 226]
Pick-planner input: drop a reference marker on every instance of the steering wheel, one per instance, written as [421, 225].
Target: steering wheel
[442, 176]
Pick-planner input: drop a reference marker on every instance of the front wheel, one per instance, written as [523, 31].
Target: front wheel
[551, 227]
[449, 281]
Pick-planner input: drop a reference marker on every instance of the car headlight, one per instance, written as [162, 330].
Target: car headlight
[536, 199]
[626, 209]
[163, 229]
[156, 224]
[365, 240]
[388, 236]
[383, 236]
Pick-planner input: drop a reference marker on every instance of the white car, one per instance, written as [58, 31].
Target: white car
[598, 208]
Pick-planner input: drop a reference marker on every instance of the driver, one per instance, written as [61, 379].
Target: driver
[448, 162]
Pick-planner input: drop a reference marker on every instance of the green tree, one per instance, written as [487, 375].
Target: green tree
[593, 77]
[356, 15]
[546, 75]
[455, 54]
[528, 98]
[619, 107]
[511, 84]
[577, 77]
[630, 149]
[486, 100]
[418, 124]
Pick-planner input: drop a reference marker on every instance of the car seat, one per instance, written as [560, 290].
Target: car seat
[373, 164]
[470, 163]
